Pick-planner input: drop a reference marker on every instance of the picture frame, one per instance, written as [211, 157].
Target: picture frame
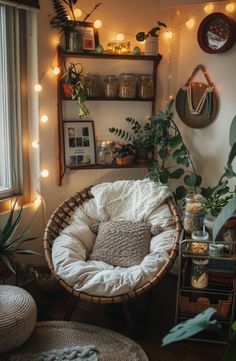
[79, 143]
[90, 37]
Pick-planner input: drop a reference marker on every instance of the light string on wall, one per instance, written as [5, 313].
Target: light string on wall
[168, 34]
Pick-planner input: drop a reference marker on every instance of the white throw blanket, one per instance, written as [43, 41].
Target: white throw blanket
[133, 200]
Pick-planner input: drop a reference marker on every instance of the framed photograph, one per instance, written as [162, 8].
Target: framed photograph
[79, 142]
[90, 37]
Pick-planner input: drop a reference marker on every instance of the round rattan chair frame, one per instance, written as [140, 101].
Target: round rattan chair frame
[60, 219]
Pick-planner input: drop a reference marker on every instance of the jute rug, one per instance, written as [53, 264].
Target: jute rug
[111, 346]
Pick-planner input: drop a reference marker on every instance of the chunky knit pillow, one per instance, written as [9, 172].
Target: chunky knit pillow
[121, 243]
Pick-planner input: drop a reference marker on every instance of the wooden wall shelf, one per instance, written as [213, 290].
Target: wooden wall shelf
[62, 57]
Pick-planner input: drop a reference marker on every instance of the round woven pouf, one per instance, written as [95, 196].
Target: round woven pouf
[18, 314]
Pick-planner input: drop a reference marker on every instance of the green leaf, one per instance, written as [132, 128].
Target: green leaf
[175, 141]
[207, 192]
[170, 105]
[232, 132]
[27, 252]
[229, 173]
[164, 176]
[177, 173]
[140, 36]
[180, 192]
[191, 180]
[163, 153]
[232, 154]
[7, 262]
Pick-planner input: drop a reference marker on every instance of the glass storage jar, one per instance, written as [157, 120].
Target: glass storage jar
[127, 87]
[199, 273]
[146, 86]
[105, 154]
[111, 86]
[93, 86]
[193, 214]
[199, 246]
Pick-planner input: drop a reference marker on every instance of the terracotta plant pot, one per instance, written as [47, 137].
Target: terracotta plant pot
[127, 160]
[67, 90]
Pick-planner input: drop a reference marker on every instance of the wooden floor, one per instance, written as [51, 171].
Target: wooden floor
[153, 316]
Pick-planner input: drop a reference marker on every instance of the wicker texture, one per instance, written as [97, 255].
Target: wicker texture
[122, 243]
[111, 346]
[18, 315]
[60, 219]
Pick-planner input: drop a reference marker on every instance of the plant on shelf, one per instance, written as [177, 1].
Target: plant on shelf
[10, 242]
[219, 195]
[73, 81]
[154, 32]
[169, 147]
[124, 154]
[142, 138]
[64, 10]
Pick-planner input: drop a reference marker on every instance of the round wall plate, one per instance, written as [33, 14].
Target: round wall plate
[217, 33]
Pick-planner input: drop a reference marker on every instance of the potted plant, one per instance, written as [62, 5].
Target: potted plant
[74, 87]
[142, 139]
[10, 242]
[73, 29]
[151, 38]
[124, 153]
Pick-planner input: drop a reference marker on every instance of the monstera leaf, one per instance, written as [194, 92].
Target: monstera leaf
[191, 327]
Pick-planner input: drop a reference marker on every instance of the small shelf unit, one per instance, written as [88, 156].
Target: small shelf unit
[62, 56]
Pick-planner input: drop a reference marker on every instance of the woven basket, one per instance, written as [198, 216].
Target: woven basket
[60, 219]
[202, 303]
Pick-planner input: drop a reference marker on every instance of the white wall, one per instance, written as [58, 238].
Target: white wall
[209, 146]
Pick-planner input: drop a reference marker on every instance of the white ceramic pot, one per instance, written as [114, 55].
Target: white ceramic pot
[151, 45]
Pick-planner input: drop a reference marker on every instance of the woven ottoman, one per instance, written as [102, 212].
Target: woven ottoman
[18, 314]
[51, 335]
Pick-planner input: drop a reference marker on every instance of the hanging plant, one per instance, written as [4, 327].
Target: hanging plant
[73, 81]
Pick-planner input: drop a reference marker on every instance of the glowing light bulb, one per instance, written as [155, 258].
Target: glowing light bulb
[230, 8]
[77, 13]
[171, 97]
[177, 12]
[56, 70]
[190, 23]
[97, 24]
[45, 173]
[208, 8]
[120, 37]
[168, 34]
[35, 144]
[44, 118]
[38, 88]
[37, 202]
[68, 17]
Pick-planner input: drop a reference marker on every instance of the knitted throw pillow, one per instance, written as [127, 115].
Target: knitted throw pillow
[121, 243]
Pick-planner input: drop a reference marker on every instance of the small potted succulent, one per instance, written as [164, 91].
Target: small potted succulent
[151, 38]
[124, 153]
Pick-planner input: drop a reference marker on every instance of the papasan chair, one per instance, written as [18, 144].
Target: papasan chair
[99, 272]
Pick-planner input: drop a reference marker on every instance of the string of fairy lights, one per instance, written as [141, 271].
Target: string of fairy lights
[168, 34]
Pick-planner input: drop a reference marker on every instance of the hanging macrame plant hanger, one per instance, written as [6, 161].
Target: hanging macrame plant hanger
[196, 102]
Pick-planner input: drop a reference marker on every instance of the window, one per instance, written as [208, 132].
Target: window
[12, 69]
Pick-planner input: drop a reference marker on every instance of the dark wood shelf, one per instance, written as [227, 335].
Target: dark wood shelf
[105, 166]
[112, 56]
[64, 98]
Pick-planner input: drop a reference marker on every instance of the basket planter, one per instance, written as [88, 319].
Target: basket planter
[151, 45]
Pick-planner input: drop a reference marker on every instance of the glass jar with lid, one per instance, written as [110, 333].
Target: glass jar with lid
[105, 154]
[111, 86]
[146, 86]
[199, 273]
[128, 86]
[93, 85]
[193, 213]
[199, 243]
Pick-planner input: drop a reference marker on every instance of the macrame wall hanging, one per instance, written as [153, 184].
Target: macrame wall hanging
[196, 103]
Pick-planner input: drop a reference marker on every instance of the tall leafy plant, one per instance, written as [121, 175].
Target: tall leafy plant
[173, 160]
[10, 242]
